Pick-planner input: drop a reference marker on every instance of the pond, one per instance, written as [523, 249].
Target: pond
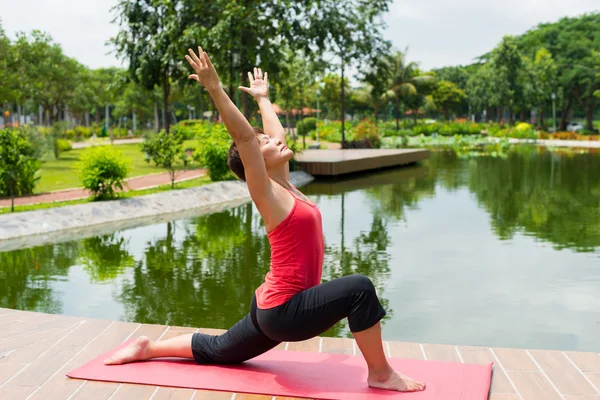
[494, 251]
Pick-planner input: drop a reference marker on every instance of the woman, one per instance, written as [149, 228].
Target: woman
[291, 305]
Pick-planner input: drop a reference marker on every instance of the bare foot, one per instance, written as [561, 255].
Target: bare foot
[134, 351]
[394, 381]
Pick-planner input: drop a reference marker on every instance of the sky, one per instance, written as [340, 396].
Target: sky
[437, 32]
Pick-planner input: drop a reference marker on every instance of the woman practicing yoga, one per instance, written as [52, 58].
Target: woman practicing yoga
[292, 304]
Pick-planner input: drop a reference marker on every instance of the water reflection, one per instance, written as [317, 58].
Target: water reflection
[450, 243]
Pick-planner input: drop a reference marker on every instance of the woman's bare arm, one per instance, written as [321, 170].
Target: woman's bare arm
[259, 183]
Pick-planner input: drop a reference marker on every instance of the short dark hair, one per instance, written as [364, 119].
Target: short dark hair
[234, 161]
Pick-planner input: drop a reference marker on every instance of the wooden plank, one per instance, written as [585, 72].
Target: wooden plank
[23, 352]
[586, 362]
[94, 390]
[177, 331]
[246, 396]
[16, 392]
[212, 395]
[338, 346]
[515, 359]
[405, 350]
[562, 373]
[96, 338]
[44, 366]
[482, 355]
[9, 369]
[441, 352]
[173, 394]
[504, 396]
[129, 391]
[594, 377]
[532, 385]
[306, 345]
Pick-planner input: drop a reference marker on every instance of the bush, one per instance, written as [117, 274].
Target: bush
[190, 129]
[19, 164]
[212, 154]
[64, 145]
[365, 133]
[102, 171]
[392, 132]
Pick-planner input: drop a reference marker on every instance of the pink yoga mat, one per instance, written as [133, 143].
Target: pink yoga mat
[298, 374]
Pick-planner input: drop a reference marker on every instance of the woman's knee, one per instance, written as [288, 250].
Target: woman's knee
[361, 283]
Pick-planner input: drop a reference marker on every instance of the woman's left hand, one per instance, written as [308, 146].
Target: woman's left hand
[259, 85]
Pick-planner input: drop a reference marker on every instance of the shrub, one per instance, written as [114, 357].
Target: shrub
[524, 126]
[366, 132]
[166, 150]
[19, 164]
[64, 145]
[102, 170]
[212, 154]
[392, 132]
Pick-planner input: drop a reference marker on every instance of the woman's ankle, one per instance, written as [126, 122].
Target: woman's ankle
[381, 373]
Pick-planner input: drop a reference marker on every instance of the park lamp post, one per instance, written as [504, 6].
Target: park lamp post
[318, 134]
[554, 110]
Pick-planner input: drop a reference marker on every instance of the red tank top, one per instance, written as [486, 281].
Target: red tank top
[297, 251]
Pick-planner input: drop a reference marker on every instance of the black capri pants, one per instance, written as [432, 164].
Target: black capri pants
[306, 315]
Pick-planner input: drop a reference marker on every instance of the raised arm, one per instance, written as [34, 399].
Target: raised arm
[259, 89]
[259, 183]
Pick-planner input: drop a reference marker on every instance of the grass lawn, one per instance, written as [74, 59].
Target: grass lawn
[61, 174]
[132, 193]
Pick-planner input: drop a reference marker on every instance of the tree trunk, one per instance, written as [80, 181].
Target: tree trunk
[134, 118]
[589, 112]
[245, 105]
[106, 118]
[397, 114]
[40, 115]
[287, 121]
[343, 109]
[375, 112]
[564, 114]
[541, 116]
[87, 119]
[166, 90]
[156, 127]
[522, 116]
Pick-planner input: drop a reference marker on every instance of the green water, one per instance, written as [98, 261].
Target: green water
[489, 251]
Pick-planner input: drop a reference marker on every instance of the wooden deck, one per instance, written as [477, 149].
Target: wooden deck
[36, 350]
[339, 162]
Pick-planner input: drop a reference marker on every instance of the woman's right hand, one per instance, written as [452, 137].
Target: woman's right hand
[205, 71]
[259, 86]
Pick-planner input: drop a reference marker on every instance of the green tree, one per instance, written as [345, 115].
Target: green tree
[507, 65]
[405, 81]
[151, 40]
[542, 79]
[352, 30]
[47, 76]
[447, 96]
[8, 91]
[19, 164]
[166, 151]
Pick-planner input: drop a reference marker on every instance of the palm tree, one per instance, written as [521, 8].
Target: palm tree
[405, 79]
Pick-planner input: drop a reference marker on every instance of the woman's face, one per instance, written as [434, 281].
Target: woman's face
[273, 151]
